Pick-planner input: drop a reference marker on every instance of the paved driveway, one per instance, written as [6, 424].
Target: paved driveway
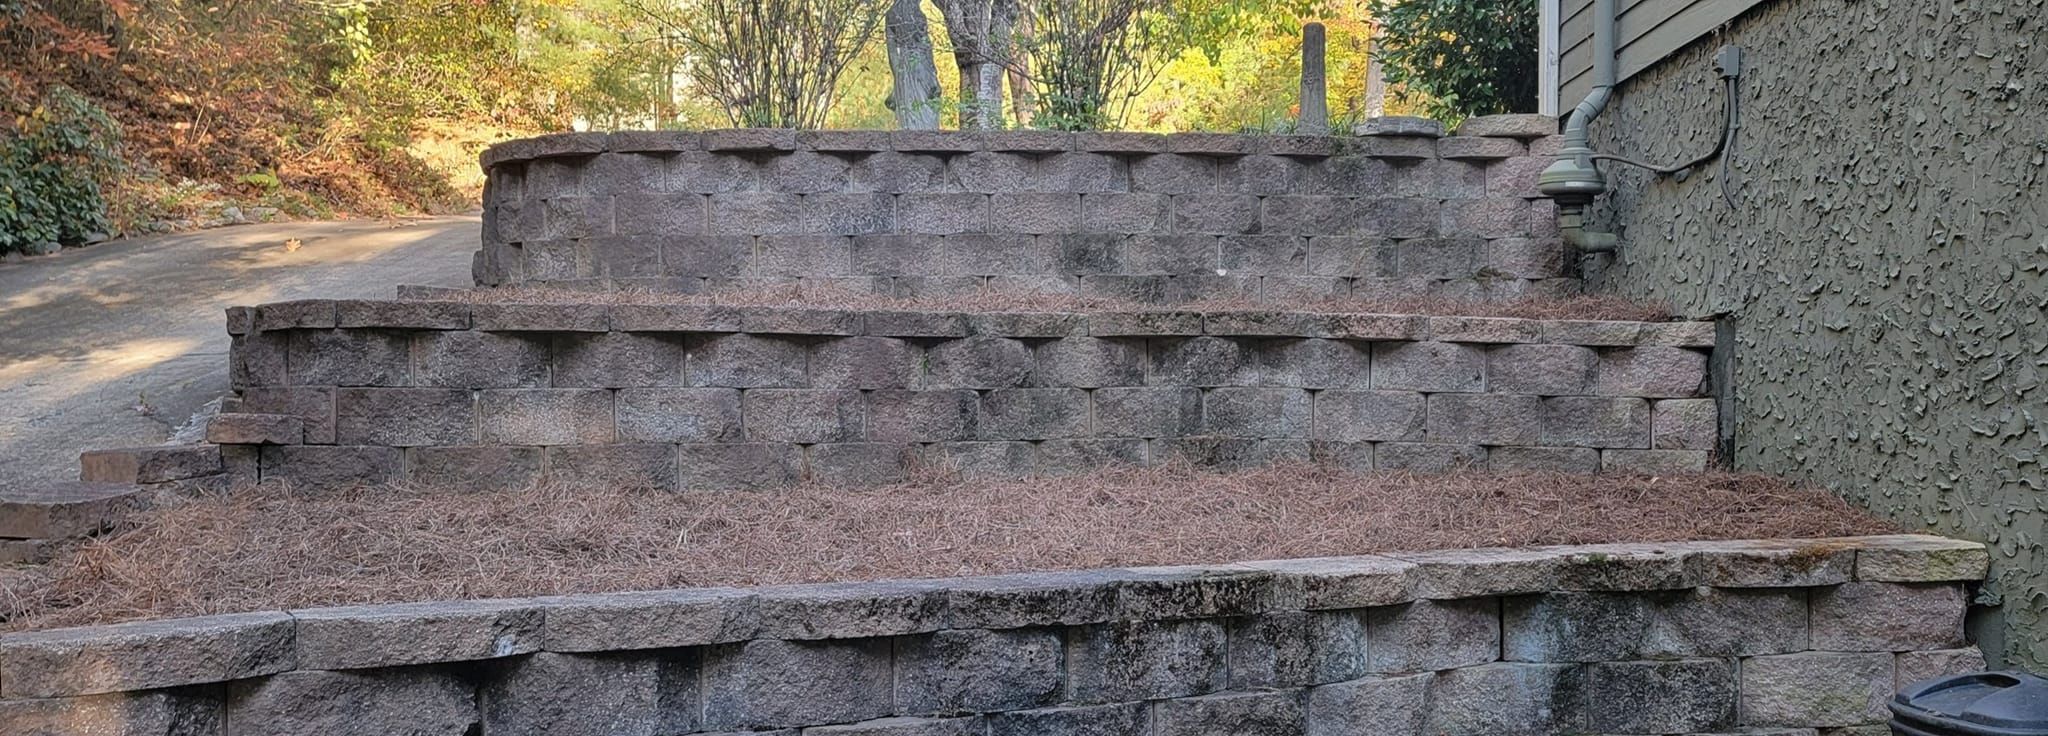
[118, 344]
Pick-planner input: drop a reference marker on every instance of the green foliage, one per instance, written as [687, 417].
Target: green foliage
[51, 164]
[768, 63]
[1468, 57]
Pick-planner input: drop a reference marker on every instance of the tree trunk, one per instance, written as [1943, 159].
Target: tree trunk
[915, 94]
[1022, 105]
[980, 30]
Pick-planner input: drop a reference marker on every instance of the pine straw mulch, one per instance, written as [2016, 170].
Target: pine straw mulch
[1580, 307]
[267, 549]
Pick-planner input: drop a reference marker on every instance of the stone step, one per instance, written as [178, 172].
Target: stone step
[146, 465]
[63, 510]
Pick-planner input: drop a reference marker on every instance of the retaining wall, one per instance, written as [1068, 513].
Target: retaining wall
[1771, 637]
[691, 396]
[1157, 218]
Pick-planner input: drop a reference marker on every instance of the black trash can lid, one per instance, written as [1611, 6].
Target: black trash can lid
[1983, 703]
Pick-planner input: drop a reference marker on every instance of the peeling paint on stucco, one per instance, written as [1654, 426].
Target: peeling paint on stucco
[1886, 260]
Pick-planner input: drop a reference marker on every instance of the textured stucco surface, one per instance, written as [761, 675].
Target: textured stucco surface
[1886, 261]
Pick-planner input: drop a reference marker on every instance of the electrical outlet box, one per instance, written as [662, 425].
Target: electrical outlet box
[1728, 61]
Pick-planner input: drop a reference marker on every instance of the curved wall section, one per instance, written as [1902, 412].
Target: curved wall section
[1156, 218]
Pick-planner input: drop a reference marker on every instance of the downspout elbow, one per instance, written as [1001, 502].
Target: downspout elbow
[1572, 226]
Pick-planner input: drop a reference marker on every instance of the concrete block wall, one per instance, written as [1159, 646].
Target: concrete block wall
[1788, 637]
[1157, 218]
[690, 396]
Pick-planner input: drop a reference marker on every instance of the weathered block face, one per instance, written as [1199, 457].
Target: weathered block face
[1681, 638]
[1397, 211]
[684, 396]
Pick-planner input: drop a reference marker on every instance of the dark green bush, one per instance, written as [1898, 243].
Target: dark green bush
[1462, 57]
[51, 163]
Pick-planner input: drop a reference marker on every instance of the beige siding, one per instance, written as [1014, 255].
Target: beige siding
[1647, 31]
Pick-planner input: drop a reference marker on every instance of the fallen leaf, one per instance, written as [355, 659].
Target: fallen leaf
[291, 245]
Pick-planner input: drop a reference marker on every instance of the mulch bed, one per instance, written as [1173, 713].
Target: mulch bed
[266, 549]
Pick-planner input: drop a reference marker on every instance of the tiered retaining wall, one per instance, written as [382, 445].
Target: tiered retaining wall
[1157, 218]
[689, 396]
[1776, 637]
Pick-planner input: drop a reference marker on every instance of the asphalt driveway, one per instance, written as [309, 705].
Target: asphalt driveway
[118, 344]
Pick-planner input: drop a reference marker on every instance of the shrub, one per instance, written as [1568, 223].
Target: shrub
[1463, 57]
[1087, 59]
[51, 165]
[769, 63]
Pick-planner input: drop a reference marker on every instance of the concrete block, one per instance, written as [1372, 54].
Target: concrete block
[1230, 453]
[1313, 363]
[980, 362]
[1028, 141]
[1526, 258]
[475, 468]
[1888, 617]
[975, 671]
[805, 256]
[1126, 213]
[1291, 649]
[648, 620]
[1263, 175]
[1142, 660]
[1117, 719]
[348, 358]
[1912, 558]
[802, 415]
[1684, 696]
[1489, 419]
[1518, 126]
[1343, 582]
[1315, 215]
[1034, 213]
[1574, 627]
[799, 321]
[1816, 689]
[1032, 599]
[352, 704]
[546, 416]
[1654, 462]
[410, 315]
[1548, 370]
[1144, 323]
[850, 610]
[756, 213]
[144, 655]
[1171, 173]
[1497, 217]
[855, 464]
[922, 416]
[1433, 635]
[404, 417]
[747, 361]
[992, 254]
[572, 694]
[155, 713]
[1219, 214]
[614, 467]
[1088, 362]
[705, 172]
[658, 213]
[1726, 622]
[980, 460]
[902, 726]
[1198, 361]
[768, 683]
[675, 415]
[1922, 666]
[750, 139]
[1351, 256]
[470, 359]
[1439, 258]
[1591, 421]
[391, 635]
[1148, 412]
[303, 314]
[805, 172]
[1428, 366]
[1230, 714]
[737, 466]
[709, 256]
[849, 214]
[159, 464]
[1507, 698]
[1427, 457]
[327, 467]
[1065, 457]
[1388, 706]
[942, 213]
[1257, 412]
[1278, 255]
[1033, 414]
[1652, 372]
[1685, 424]
[505, 317]
[65, 509]
[1577, 460]
[259, 359]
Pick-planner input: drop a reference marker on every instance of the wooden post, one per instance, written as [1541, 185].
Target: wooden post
[1314, 118]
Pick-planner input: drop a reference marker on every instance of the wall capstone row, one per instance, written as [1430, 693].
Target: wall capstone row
[1681, 638]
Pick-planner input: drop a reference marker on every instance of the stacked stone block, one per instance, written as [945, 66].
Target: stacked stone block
[673, 396]
[1398, 211]
[1788, 637]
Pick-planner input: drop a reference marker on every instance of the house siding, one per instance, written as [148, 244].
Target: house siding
[1649, 31]
[1885, 262]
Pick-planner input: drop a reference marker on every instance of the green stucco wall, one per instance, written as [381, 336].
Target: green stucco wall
[1886, 261]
